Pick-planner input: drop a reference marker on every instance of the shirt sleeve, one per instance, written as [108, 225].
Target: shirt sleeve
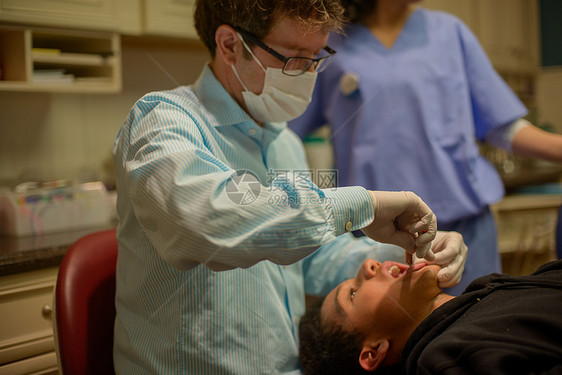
[179, 191]
[494, 104]
[502, 136]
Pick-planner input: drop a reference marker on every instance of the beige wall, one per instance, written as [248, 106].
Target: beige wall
[70, 136]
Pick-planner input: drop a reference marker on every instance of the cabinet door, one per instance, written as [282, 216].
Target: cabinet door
[508, 30]
[25, 307]
[526, 231]
[169, 18]
[44, 364]
[115, 15]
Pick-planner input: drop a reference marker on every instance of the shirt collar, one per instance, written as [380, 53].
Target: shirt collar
[218, 101]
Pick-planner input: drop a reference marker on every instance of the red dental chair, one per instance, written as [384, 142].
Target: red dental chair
[84, 307]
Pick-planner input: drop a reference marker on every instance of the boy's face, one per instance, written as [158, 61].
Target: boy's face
[385, 298]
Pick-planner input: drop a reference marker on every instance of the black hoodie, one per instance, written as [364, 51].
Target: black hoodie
[501, 324]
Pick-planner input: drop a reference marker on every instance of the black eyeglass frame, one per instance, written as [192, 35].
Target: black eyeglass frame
[319, 64]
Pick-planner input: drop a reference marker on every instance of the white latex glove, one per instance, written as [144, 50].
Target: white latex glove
[403, 219]
[450, 253]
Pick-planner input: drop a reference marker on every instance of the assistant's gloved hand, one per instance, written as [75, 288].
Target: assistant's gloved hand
[403, 219]
[450, 253]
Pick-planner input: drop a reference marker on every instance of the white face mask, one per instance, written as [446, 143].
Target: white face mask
[283, 97]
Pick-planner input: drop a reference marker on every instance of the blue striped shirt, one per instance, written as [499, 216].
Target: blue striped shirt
[212, 270]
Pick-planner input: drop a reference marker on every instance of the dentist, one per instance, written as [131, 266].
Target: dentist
[220, 234]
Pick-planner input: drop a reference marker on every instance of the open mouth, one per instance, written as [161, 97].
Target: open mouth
[398, 270]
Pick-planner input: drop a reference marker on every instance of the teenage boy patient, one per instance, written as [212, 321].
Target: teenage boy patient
[395, 319]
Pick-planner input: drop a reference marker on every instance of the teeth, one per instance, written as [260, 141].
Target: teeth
[394, 270]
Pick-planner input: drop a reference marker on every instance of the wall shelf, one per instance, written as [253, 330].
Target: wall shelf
[51, 60]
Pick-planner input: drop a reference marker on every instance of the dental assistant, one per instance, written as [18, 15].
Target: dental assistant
[220, 236]
[407, 97]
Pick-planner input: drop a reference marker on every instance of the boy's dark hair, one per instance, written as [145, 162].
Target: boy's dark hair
[327, 349]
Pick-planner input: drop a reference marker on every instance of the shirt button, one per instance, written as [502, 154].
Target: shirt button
[348, 226]
[252, 131]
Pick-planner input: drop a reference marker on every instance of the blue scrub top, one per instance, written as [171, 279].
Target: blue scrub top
[411, 115]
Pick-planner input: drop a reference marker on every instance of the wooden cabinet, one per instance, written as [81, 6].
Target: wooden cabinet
[507, 29]
[114, 15]
[59, 60]
[35, 58]
[132, 17]
[527, 231]
[169, 18]
[26, 333]
[509, 33]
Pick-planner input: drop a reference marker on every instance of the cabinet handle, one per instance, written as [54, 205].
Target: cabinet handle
[47, 311]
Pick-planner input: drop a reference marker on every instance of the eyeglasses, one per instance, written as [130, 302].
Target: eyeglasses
[294, 66]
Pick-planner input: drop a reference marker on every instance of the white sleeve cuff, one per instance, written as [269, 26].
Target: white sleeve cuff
[353, 208]
[503, 136]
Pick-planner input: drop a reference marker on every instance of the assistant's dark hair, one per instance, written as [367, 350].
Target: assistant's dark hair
[327, 349]
[355, 10]
[259, 16]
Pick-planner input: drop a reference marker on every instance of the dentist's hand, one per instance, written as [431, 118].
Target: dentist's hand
[450, 253]
[403, 219]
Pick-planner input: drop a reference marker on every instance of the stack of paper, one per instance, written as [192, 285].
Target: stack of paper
[52, 76]
[46, 51]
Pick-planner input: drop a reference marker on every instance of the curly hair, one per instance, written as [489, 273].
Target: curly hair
[326, 348]
[259, 16]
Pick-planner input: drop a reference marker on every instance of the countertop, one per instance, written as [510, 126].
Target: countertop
[21, 254]
[528, 201]
[536, 174]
